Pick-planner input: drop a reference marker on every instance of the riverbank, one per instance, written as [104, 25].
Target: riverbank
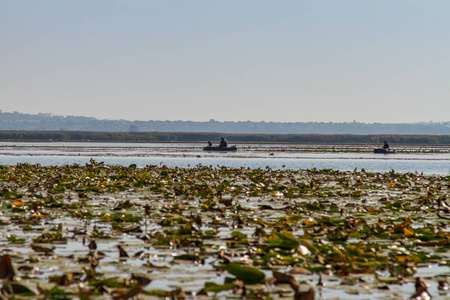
[76, 136]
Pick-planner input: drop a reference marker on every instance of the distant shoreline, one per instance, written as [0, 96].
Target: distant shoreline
[154, 137]
[47, 122]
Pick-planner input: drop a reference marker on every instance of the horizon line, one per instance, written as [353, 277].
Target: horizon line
[218, 121]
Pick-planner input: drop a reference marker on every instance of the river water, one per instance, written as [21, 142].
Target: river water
[413, 158]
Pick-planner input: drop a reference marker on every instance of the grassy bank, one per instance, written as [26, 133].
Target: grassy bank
[17, 135]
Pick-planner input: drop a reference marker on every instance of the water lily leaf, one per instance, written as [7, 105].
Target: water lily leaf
[54, 293]
[284, 240]
[300, 271]
[16, 240]
[143, 279]
[39, 248]
[247, 274]
[282, 277]
[130, 293]
[237, 235]
[146, 175]
[309, 223]
[164, 294]
[19, 289]
[40, 215]
[226, 202]
[18, 203]
[192, 257]
[110, 282]
[151, 265]
[408, 231]
[216, 288]
[294, 218]
[49, 237]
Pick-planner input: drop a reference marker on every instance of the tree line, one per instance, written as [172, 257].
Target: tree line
[49, 122]
[77, 136]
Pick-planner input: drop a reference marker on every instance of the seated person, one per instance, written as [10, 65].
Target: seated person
[386, 146]
[223, 143]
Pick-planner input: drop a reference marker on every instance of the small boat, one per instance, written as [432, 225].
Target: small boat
[384, 151]
[217, 148]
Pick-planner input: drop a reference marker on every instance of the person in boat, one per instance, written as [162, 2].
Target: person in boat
[386, 146]
[209, 144]
[223, 143]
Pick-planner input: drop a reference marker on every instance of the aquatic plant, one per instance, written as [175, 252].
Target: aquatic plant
[116, 232]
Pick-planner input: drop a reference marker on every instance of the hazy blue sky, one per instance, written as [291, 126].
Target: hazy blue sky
[234, 60]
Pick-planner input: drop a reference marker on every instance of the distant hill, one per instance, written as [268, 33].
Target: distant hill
[49, 122]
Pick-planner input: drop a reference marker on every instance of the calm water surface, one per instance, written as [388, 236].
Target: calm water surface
[426, 159]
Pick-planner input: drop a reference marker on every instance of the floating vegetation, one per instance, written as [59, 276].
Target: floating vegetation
[111, 232]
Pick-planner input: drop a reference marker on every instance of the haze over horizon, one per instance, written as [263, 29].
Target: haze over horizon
[212, 120]
[294, 61]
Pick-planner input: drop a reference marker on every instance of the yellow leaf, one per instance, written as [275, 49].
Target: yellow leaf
[18, 203]
[40, 215]
[309, 223]
[401, 259]
[408, 232]
[294, 218]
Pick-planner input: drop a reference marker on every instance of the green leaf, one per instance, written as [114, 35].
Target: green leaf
[284, 240]
[19, 289]
[238, 235]
[247, 274]
[213, 287]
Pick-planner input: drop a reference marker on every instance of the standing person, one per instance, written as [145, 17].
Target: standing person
[223, 143]
[386, 146]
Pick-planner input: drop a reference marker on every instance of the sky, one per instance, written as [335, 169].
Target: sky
[378, 61]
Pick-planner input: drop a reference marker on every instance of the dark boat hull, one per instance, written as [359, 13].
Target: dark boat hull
[384, 151]
[213, 148]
